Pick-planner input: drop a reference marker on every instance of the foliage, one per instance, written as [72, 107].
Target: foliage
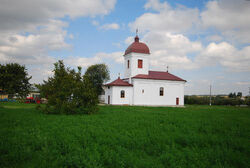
[232, 95]
[216, 100]
[14, 79]
[98, 74]
[124, 136]
[68, 92]
[239, 94]
[247, 100]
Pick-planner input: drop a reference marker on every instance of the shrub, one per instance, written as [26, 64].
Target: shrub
[247, 101]
[68, 92]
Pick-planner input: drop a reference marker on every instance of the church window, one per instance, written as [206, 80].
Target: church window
[108, 87]
[128, 64]
[140, 63]
[122, 94]
[161, 91]
[142, 91]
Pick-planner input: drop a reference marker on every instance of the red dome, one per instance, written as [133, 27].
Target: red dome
[137, 47]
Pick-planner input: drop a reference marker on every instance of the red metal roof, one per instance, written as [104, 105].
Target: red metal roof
[137, 47]
[159, 75]
[118, 82]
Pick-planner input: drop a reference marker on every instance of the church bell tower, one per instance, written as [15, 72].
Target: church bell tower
[136, 59]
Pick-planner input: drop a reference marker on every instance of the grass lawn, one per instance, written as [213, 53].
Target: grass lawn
[121, 136]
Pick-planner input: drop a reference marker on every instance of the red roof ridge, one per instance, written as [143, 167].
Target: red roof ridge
[159, 75]
[118, 82]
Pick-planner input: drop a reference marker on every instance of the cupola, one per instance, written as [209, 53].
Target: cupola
[137, 47]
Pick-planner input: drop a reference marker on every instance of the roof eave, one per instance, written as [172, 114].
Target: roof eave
[159, 79]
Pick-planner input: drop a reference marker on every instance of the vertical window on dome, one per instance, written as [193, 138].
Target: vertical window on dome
[128, 64]
[122, 93]
[161, 91]
[140, 63]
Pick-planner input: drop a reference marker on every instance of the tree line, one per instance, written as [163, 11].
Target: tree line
[68, 91]
[217, 100]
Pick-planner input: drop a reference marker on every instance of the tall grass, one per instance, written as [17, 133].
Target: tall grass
[195, 136]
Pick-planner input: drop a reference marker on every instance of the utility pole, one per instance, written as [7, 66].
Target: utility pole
[210, 95]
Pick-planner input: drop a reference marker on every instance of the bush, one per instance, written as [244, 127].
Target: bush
[247, 101]
[68, 92]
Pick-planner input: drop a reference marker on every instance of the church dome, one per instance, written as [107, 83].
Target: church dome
[137, 47]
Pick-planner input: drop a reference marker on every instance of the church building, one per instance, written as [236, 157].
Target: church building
[141, 86]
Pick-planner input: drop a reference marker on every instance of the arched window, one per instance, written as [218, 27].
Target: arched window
[128, 64]
[161, 91]
[122, 93]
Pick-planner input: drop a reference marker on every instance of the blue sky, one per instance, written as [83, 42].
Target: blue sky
[204, 42]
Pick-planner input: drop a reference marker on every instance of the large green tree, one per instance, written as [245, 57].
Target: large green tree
[14, 79]
[68, 92]
[98, 74]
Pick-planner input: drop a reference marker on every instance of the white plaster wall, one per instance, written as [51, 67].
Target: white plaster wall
[151, 96]
[108, 92]
[116, 95]
[101, 98]
[133, 67]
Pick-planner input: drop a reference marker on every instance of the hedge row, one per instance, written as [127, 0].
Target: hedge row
[216, 100]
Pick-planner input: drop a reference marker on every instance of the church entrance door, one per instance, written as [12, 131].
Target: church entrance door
[108, 99]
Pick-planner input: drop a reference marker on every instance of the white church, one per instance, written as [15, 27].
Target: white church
[141, 86]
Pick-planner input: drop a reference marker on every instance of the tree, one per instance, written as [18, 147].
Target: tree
[14, 79]
[239, 94]
[97, 74]
[232, 95]
[68, 92]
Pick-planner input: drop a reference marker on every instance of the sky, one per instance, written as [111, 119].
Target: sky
[202, 41]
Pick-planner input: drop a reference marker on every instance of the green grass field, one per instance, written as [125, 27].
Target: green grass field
[120, 136]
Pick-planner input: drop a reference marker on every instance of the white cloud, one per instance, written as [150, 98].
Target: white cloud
[230, 17]
[171, 49]
[156, 5]
[32, 28]
[33, 48]
[226, 55]
[116, 56]
[98, 58]
[243, 83]
[111, 26]
[166, 19]
[28, 14]
[82, 61]
[129, 40]
[166, 31]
